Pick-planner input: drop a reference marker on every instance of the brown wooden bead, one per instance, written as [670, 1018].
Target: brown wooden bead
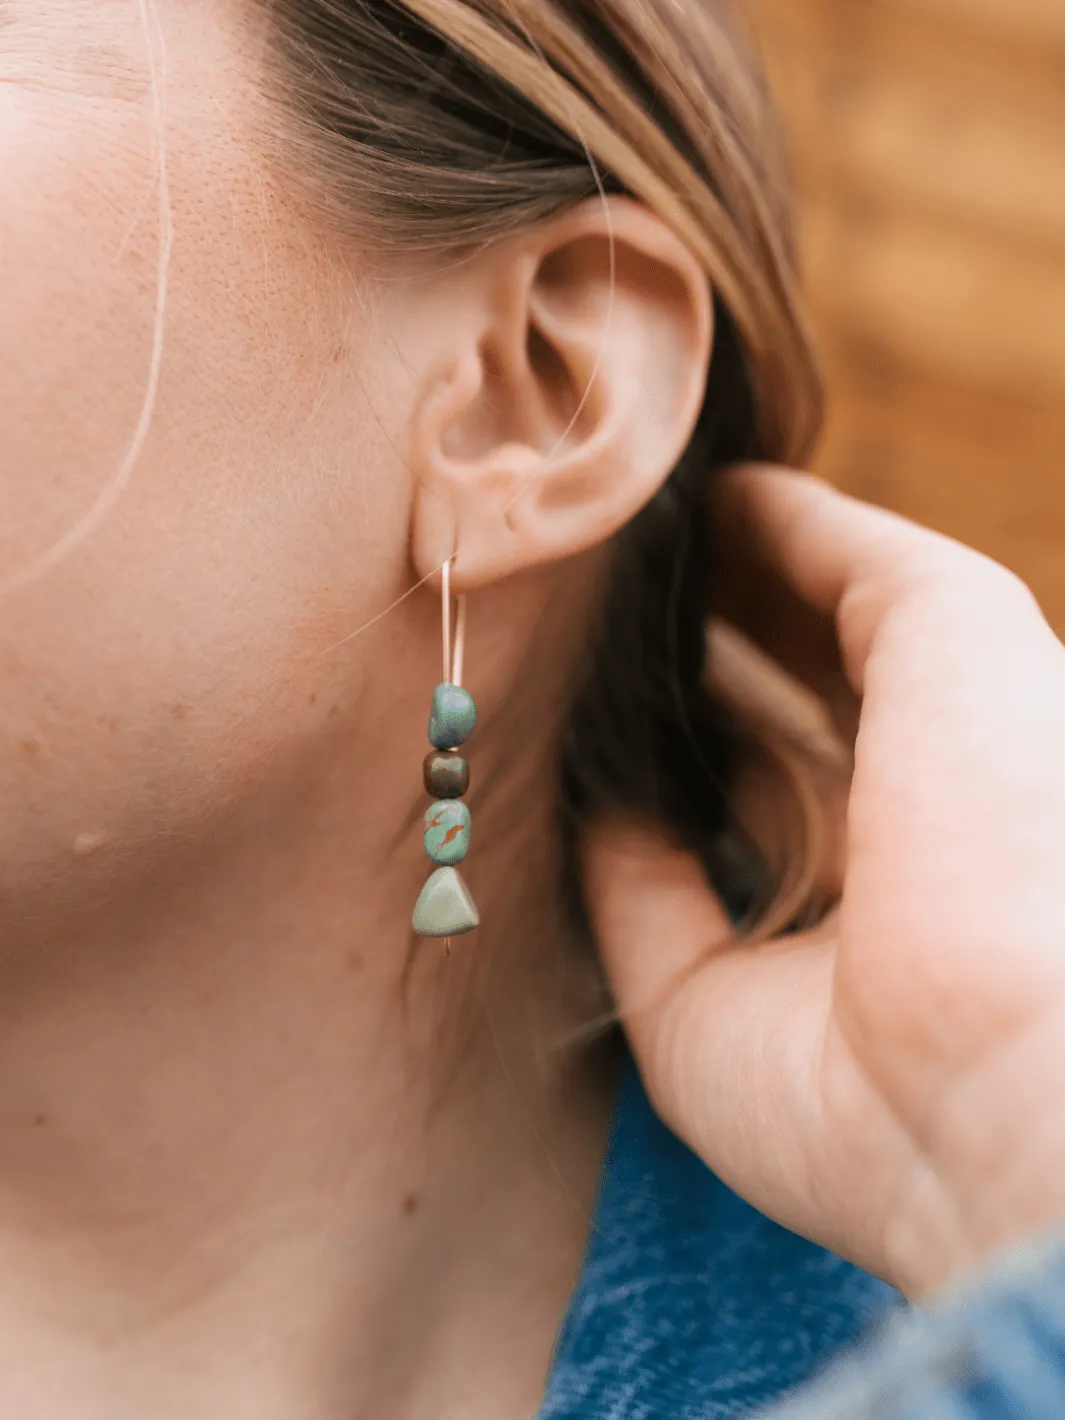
[447, 776]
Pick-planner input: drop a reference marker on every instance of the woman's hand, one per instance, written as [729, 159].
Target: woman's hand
[891, 1084]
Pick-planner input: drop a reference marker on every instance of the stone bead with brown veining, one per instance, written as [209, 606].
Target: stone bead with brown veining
[447, 831]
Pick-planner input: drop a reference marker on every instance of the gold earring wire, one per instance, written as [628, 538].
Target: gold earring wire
[452, 662]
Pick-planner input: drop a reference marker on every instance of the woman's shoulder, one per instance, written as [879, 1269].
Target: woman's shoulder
[690, 1301]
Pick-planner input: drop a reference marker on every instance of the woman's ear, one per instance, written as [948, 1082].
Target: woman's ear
[573, 389]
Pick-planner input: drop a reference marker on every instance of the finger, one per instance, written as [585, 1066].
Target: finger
[846, 560]
[725, 1033]
[817, 539]
[753, 595]
[643, 890]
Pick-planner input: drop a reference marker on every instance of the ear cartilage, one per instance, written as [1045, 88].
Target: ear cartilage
[445, 907]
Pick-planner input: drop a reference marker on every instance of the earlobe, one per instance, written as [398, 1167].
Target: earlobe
[568, 400]
[463, 498]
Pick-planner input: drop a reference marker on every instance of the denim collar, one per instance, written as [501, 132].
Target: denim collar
[691, 1305]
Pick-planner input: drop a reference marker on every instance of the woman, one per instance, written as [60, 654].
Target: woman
[304, 302]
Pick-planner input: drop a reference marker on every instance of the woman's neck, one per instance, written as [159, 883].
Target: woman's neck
[253, 1162]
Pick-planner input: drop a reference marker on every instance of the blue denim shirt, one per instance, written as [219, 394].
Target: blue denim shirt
[990, 1348]
[691, 1305]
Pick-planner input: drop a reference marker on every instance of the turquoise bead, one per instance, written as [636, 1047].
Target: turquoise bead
[447, 831]
[453, 717]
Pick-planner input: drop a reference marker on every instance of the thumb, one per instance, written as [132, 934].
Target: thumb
[726, 1033]
[657, 923]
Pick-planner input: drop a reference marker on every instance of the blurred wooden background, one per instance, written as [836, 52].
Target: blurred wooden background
[928, 139]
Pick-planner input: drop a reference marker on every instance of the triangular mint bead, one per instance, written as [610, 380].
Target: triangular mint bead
[444, 907]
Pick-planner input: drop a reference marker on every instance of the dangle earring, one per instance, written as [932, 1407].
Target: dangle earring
[445, 907]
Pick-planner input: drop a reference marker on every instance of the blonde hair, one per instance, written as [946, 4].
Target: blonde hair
[439, 126]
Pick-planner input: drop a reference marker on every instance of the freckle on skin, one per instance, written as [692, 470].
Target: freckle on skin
[411, 1204]
[178, 711]
[30, 749]
[87, 843]
[312, 699]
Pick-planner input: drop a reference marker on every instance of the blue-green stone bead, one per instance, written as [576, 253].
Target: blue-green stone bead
[453, 716]
[447, 831]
